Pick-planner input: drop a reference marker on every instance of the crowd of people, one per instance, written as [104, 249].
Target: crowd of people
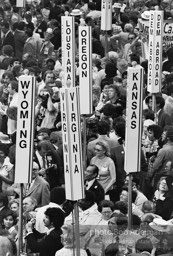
[30, 44]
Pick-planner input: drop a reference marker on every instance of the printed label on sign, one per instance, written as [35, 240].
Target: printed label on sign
[155, 51]
[68, 49]
[106, 15]
[133, 120]
[25, 129]
[85, 70]
[70, 115]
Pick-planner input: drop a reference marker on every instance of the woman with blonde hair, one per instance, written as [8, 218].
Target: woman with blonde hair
[107, 172]
[68, 240]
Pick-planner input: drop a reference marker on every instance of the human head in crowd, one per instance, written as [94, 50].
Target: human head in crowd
[160, 102]
[148, 114]
[148, 207]
[9, 219]
[113, 92]
[57, 195]
[14, 206]
[90, 21]
[29, 204]
[154, 132]
[106, 207]
[54, 217]
[17, 71]
[122, 65]
[103, 128]
[43, 134]
[7, 77]
[15, 61]
[13, 87]
[91, 172]
[143, 245]
[121, 207]
[124, 195]
[8, 51]
[48, 76]
[102, 148]
[67, 236]
[135, 60]
[28, 17]
[148, 102]
[110, 70]
[88, 201]
[50, 64]
[56, 138]
[119, 128]
[4, 25]
[43, 147]
[112, 250]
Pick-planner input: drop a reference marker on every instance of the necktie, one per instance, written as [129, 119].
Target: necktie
[44, 162]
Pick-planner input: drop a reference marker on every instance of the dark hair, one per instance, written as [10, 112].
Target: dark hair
[160, 100]
[29, 32]
[5, 24]
[109, 110]
[119, 128]
[14, 85]
[122, 206]
[103, 127]
[156, 129]
[111, 69]
[135, 57]
[105, 203]
[111, 249]
[144, 244]
[8, 50]
[91, 6]
[56, 216]
[7, 213]
[148, 114]
[21, 25]
[57, 195]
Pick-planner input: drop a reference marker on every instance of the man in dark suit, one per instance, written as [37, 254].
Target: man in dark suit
[39, 188]
[20, 38]
[8, 37]
[92, 184]
[41, 25]
[162, 118]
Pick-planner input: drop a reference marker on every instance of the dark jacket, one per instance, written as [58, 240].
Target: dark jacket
[98, 191]
[48, 245]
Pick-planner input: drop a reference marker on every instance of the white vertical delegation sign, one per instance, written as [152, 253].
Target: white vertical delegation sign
[133, 119]
[20, 3]
[106, 15]
[68, 50]
[25, 129]
[155, 51]
[73, 167]
[85, 70]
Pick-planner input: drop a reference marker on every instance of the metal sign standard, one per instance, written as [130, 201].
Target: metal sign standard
[25, 129]
[106, 15]
[155, 51]
[85, 70]
[68, 50]
[20, 3]
[73, 167]
[133, 120]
